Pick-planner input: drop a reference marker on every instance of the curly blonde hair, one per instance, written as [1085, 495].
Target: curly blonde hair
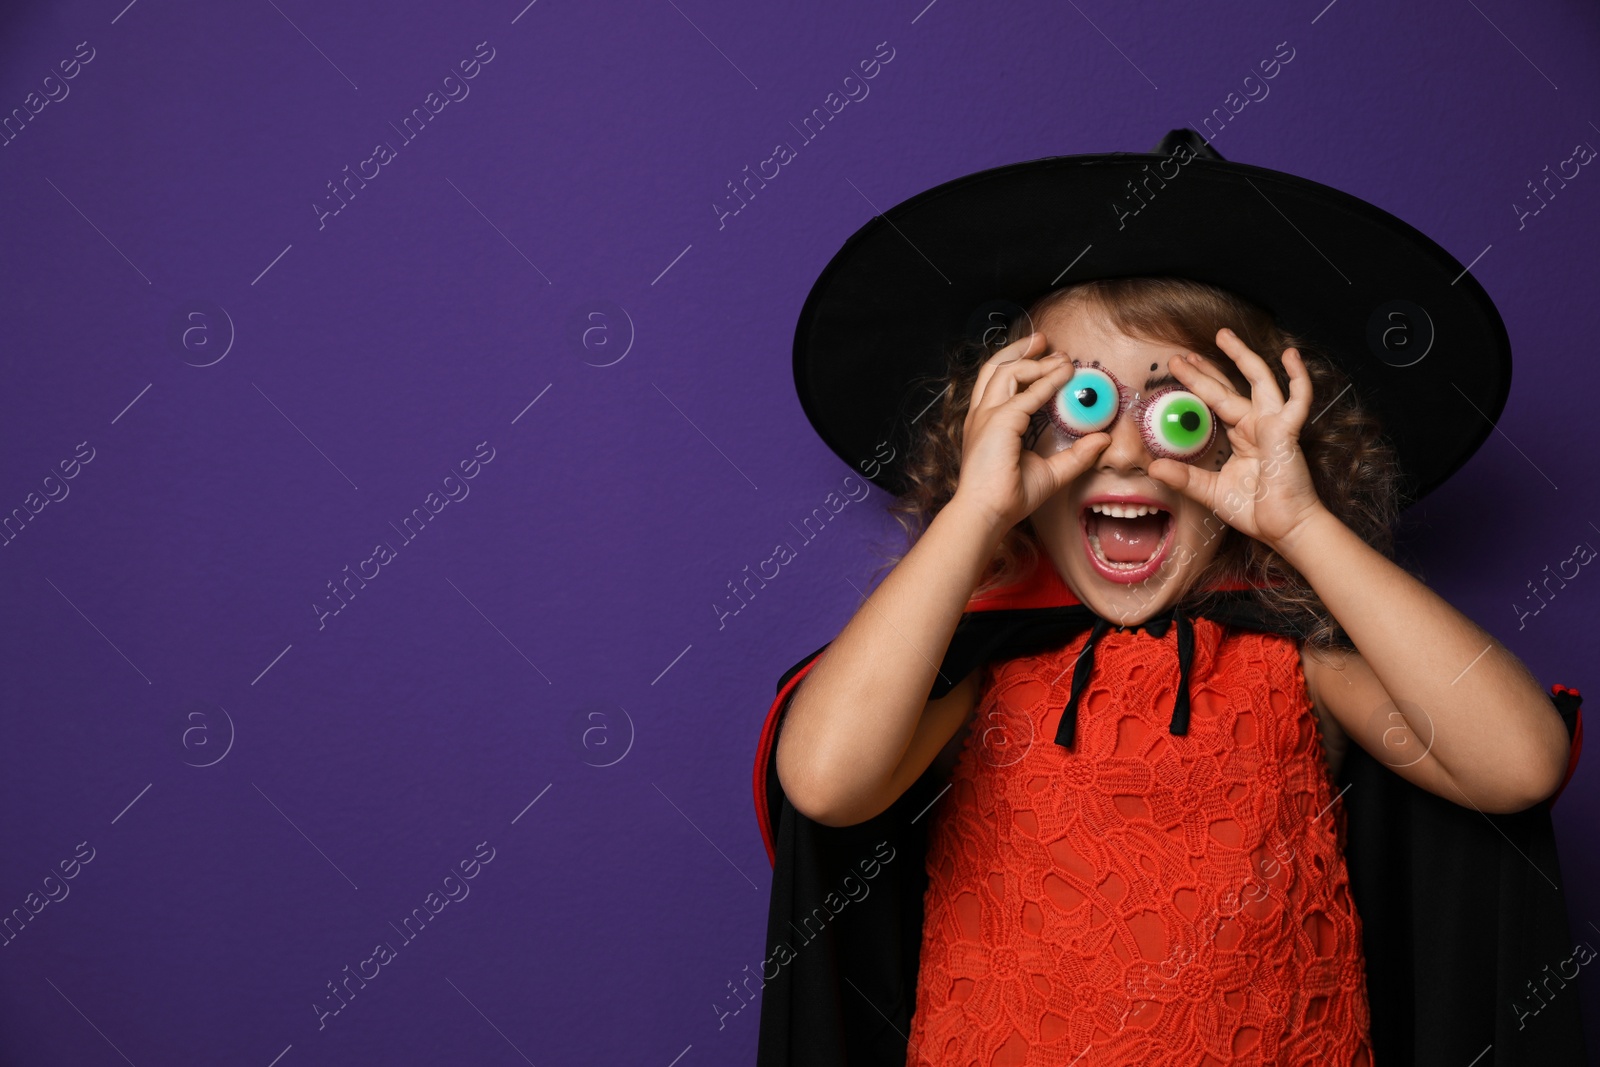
[1354, 468]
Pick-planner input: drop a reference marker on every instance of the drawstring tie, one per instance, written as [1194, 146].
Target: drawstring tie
[1157, 627]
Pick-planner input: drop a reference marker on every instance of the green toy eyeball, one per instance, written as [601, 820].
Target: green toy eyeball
[1177, 424]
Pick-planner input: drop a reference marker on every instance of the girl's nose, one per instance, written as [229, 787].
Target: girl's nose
[1127, 450]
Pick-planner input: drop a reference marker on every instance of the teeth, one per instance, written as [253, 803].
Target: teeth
[1094, 543]
[1124, 511]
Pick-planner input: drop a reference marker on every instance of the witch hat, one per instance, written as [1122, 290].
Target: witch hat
[1422, 343]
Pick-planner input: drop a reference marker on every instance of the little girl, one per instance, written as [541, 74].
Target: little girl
[1137, 851]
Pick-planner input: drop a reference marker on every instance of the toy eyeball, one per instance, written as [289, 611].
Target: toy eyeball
[1090, 401]
[1177, 424]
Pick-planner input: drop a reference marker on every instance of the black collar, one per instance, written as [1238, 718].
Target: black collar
[1007, 633]
[1156, 626]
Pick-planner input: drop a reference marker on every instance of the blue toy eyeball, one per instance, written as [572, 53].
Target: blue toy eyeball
[1089, 402]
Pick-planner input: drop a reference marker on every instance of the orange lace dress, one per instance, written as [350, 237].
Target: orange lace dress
[1142, 897]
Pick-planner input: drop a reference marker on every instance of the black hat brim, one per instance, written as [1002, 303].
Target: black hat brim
[1422, 342]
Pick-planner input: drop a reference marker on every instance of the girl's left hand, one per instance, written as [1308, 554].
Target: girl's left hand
[1264, 489]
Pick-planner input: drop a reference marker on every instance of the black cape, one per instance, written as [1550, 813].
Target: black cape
[1464, 922]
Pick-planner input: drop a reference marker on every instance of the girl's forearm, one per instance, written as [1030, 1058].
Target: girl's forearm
[1495, 732]
[853, 716]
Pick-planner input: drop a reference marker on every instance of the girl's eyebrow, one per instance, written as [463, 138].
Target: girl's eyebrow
[1153, 381]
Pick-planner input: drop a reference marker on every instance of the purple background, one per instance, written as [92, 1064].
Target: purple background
[551, 639]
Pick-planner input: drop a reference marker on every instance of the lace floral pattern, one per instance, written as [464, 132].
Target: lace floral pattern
[1142, 898]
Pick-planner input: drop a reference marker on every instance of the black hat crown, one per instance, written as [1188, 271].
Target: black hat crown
[1420, 339]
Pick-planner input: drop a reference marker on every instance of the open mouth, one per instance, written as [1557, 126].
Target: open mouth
[1126, 542]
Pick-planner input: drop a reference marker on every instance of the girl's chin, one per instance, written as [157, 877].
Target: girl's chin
[1122, 606]
[1111, 599]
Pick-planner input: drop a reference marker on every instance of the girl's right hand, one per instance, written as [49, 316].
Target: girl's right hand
[999, 478]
